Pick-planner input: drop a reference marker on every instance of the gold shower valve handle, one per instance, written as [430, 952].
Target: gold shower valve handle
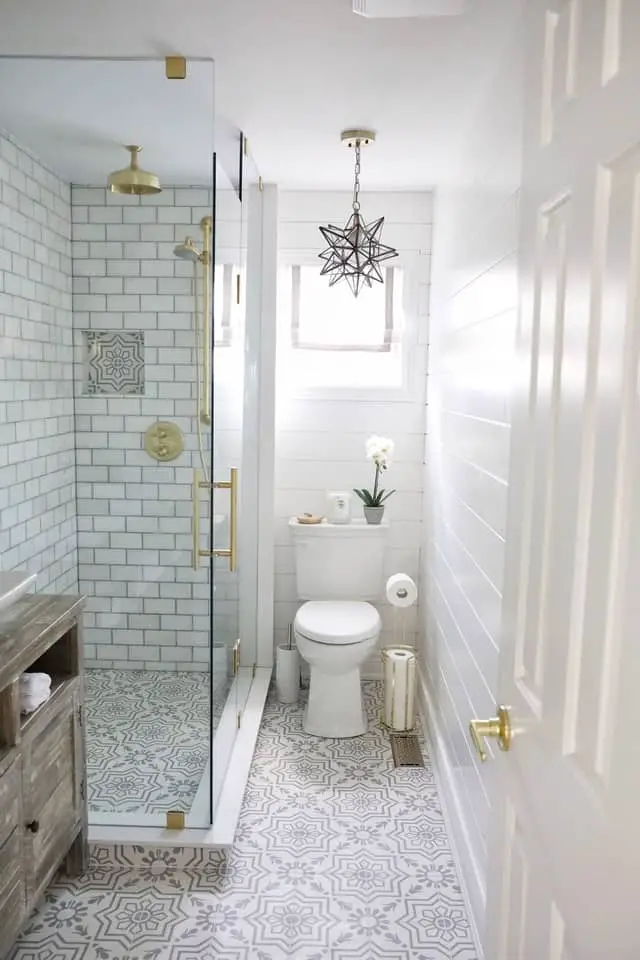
[497, 727]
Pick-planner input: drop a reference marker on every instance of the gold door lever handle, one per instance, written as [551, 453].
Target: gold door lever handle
[497, 727]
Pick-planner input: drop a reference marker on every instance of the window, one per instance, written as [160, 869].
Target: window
[329, 338]
[331, 318]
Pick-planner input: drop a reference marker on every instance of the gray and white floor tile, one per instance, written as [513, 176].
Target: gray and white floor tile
[147, 738]
[338, 857]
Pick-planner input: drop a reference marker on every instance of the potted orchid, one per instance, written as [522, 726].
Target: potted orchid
[379, 451]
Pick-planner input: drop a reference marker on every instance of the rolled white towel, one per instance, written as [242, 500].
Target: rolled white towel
[31, 702]
[35, 681]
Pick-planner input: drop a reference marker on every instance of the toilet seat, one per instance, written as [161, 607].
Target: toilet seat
[337, 621]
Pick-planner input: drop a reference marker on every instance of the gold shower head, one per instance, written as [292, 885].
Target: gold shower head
[132, 179]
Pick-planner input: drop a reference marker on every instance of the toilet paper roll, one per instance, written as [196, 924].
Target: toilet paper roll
[399, 688]
[401, 590]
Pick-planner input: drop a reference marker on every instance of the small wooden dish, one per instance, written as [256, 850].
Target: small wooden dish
[309, 518]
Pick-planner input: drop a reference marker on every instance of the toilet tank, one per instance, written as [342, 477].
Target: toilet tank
[338, 561]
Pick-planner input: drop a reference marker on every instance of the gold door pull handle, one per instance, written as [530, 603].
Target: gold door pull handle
[497, 727]
[230, 552]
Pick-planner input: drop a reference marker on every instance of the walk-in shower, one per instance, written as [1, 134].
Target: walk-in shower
[150, 531]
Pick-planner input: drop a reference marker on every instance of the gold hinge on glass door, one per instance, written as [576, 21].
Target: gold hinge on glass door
[231, 552]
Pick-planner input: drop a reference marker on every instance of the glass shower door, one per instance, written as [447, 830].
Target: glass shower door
[227, 434]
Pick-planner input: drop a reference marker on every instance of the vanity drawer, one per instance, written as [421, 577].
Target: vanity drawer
[50, 761]
[10, 791]
[13, 908]
[50, 838]
[10, 862]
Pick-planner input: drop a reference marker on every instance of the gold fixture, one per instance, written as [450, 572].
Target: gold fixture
[498, 727]
[361, 137]
[175, 820]
[187, 250]
[260, 184]
[163, 441]
[236, 657]
[175, 68]
[231, 485]
[132, 180]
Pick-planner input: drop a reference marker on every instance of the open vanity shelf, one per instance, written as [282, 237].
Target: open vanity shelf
[43, 809]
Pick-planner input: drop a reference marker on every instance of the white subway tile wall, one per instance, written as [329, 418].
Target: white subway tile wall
[147, 608]
[320, 443]
[37, 455]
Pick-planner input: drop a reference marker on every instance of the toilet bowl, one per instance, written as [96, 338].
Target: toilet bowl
[335, 638]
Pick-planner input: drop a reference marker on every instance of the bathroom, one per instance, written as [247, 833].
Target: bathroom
[130, 426]
[179, 768]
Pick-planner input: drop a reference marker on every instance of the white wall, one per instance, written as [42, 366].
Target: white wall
[320, 440]
[37, 472]
[473, 323]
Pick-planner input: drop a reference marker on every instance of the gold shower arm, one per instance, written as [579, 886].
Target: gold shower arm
[205, 412]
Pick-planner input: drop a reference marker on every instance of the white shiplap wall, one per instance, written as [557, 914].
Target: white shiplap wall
[473, 322]
[320, 440]
[37, 456]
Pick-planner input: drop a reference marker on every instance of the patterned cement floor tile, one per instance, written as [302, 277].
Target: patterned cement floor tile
[338, 856]
[147, 738]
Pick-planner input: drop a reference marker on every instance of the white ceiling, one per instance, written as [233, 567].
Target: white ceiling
[291, 73]
[76, 115]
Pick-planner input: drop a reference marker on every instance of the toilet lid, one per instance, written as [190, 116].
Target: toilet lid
[337, 621]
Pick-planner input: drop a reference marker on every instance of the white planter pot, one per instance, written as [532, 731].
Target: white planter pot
[287, 674]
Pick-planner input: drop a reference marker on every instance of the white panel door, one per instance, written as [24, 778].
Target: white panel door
[564, 879]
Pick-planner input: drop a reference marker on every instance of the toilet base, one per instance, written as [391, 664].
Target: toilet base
[335, 705]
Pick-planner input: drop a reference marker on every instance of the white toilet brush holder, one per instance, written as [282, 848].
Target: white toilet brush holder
[287, 672]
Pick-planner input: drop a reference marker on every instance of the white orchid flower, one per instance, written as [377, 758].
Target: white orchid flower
[379, 450]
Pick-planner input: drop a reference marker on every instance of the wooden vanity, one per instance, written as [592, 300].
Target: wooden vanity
[43, 807]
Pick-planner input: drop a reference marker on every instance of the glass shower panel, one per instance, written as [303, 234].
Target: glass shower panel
[248, 654]
[136, 262]
[228, 384]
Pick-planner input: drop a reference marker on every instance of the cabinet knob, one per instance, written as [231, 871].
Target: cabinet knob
[33, 826]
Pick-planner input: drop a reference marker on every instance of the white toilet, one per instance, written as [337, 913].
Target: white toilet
[338, 568]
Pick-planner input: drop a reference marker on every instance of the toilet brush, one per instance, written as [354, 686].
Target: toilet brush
[287, 671]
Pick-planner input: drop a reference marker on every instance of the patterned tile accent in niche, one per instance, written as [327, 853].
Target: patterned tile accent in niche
[114, 361]
[147, 738]
[338, 856]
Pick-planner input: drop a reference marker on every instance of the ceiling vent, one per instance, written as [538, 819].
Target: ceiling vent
[409, 8]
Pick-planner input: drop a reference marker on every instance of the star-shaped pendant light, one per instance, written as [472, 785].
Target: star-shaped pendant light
[355, 251]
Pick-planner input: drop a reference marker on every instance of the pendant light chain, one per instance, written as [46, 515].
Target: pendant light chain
[356, 180]
[355, 252]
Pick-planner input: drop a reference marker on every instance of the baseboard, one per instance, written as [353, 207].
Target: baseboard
[470, 872]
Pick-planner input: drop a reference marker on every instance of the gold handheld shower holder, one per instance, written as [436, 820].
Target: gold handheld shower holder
[187, 250]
